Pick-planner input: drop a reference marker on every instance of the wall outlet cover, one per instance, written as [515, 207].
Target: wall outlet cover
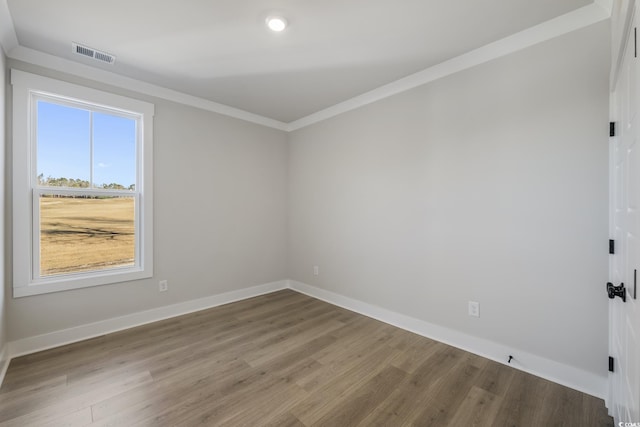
[474, 308]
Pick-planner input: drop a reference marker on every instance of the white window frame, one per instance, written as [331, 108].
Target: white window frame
[27, 89]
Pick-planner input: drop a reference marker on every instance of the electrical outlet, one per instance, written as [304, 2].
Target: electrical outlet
[316, 270]
[163, 285]
[474, 308]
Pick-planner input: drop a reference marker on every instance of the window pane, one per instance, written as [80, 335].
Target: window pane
[64, 141]
[114, 152]
[85, 234]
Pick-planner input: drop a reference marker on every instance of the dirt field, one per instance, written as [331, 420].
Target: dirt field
[85, 234]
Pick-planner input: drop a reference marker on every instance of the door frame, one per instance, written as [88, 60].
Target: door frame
[621, 20]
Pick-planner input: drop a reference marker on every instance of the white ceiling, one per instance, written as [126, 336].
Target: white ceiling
[220, 50]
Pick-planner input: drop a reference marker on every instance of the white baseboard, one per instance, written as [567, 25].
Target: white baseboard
[67, 336]
[4, 361]
[560, 373]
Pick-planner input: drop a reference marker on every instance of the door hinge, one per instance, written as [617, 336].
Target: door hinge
[612, 129]
[635, 42]
[612, 246]
[610, 364]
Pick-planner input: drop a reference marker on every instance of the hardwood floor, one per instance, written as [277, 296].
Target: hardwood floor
[282, 359]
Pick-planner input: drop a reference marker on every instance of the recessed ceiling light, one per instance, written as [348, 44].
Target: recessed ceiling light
[276, 23]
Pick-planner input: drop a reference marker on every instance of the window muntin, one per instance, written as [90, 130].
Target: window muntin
[82, 186]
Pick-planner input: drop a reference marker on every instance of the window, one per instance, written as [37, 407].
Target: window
[82, 186]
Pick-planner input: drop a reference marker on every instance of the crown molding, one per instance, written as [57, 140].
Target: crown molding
[56, 63]
[598, 11]
[563, 24]
[8, 38]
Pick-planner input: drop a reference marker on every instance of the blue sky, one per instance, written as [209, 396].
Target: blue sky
[64, 145]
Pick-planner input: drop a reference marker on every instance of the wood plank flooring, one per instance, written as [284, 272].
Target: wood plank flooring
[282, 359]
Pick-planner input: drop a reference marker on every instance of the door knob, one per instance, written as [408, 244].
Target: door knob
[617, 291]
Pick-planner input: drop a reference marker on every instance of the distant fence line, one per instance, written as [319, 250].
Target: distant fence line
[82, 196]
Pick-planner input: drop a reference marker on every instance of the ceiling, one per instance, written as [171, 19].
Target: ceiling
[221, 50]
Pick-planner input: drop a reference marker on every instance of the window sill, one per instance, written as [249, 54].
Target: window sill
[69, 282]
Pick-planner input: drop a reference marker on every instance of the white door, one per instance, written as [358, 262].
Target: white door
[624, 317]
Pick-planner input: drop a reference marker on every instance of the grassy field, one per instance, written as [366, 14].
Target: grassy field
[85, 234]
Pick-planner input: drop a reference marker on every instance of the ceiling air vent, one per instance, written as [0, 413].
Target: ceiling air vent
[92, 53]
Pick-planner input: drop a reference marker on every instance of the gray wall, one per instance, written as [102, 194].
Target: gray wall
[488, 185]
[219, 219]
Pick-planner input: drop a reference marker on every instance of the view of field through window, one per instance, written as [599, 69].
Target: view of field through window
[84, 234]
[87, 151]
